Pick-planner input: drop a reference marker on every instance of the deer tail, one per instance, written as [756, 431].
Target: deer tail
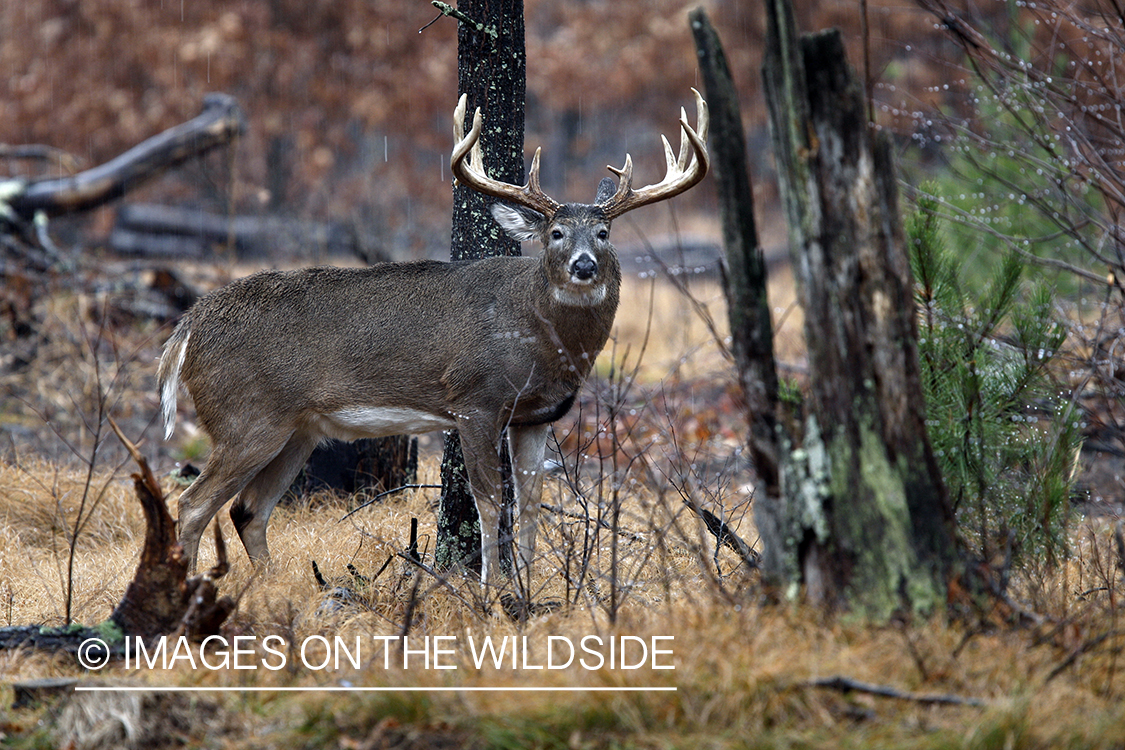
[168, 373]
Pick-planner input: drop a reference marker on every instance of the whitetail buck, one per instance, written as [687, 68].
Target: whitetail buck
[278, 362]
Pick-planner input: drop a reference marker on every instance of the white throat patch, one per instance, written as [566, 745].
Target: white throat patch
[581, 297]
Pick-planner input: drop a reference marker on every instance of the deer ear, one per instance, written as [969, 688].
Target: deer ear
[520, 223]
[606, 189]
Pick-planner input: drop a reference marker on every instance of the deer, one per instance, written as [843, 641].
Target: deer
[278, 362]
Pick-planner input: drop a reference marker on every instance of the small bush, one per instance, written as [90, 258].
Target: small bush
[1004, 436]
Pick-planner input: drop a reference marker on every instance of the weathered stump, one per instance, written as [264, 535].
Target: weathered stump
[161, 599]
[379, 464]
[862, 520]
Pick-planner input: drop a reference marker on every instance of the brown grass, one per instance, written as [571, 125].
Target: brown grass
[743, 668]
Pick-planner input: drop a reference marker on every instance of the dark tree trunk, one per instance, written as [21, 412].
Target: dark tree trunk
[377, 464]
[863, 520]
[744, 266]
[491, 69]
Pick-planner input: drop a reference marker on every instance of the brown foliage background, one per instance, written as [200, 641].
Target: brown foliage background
[349, 104]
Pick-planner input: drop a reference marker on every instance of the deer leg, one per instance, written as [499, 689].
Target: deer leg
[479, 446]
[527, 446]
[251, 511]
[224, 476]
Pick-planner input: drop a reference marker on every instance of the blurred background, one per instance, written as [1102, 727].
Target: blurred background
[349, 102]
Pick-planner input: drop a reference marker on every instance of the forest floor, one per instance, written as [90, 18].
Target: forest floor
[658, 640]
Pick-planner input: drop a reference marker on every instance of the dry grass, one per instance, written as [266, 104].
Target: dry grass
[743, 669]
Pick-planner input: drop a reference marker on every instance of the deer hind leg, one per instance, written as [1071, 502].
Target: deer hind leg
[227, 472]
[251, 511]
[480, 448]
[527, 445]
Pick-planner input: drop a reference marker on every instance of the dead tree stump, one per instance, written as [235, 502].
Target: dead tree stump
[161, 599]
[863, 520]
[378, 464]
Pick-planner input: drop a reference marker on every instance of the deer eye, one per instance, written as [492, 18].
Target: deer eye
[557, 234]
[603, 234]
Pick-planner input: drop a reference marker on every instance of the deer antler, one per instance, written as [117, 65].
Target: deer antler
[472, 172]
[679, 176]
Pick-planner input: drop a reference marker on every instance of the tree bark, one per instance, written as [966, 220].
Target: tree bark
[863, 520]
[491, 69]
[744, 266]
[376, 464]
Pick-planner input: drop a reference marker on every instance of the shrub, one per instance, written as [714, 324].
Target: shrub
[1004, 436]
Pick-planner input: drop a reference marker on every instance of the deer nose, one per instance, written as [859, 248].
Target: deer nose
[584, 268]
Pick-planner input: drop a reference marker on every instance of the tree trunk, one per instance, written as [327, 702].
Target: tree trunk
[491, 69]
[863, 520]
[744, 266]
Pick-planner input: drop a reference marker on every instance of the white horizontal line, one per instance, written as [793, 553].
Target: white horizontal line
[361, 689]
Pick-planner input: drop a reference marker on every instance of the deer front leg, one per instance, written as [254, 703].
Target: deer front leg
[527, 445]
[480, 448]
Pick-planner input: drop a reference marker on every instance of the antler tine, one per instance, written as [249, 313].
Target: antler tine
[685, 144]
[683, 172]
[459, 119]
[472, 172]
[533, 175]
[624, 182]
[702, 116]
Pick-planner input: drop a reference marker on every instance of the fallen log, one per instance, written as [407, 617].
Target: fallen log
[167, 231]
[217, 125]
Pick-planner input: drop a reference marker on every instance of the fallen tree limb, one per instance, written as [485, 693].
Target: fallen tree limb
[37, 152]
[217, 125]
[146, 229]
[1082, 648]
[725, 535]
[848, 685]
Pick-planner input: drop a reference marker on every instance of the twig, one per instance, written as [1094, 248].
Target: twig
[476, 609]
[431, 23]
[408, 617]
[381, 495]
[448, 10]
[142, 463]
[601, 523]
[1082, 648]
[848, 685]
[724, 534]
[1119, 537]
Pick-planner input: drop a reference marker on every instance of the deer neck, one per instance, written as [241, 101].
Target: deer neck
[578, 319]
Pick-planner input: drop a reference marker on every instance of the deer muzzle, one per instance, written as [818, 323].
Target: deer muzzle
[583, 268]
